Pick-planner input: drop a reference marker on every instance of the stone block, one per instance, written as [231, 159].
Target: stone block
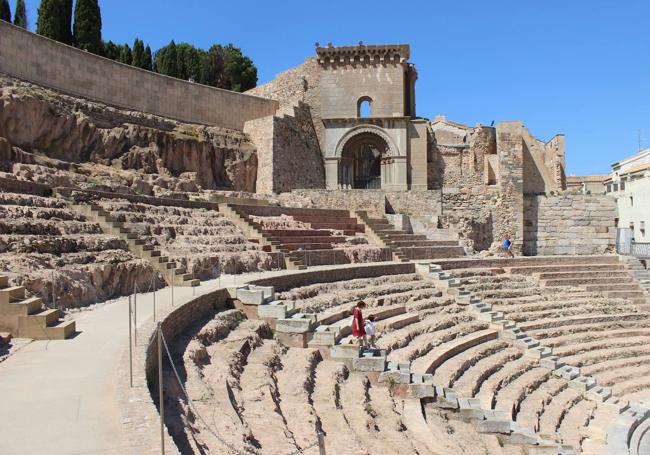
[299, 323]
[615, 404]
[267, 291]
[470, 408]
[552, 362]
[567, 372]
[394, 377]
[583, 383]
[374, 360]
[421, 391]
[503, 426]
[250, 296]
[539, 352]
[276, 310]
[445, 398]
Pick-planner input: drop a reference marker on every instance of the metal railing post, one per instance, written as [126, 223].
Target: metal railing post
[135, 314]
[321, 443]
[161, 398]
[130, 347]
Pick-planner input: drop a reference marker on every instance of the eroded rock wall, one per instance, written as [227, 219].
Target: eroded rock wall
[63, 140]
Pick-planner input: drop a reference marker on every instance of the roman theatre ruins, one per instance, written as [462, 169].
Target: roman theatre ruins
[235, 232]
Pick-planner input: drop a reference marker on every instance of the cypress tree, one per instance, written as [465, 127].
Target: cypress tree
[111, 50]
[88, 26]
[167, 60]
[125, 54]
[5, 12]
[138, 53]
[148, 59]
[54, 17]
[20, 15]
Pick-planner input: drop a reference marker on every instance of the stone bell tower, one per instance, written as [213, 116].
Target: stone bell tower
[372, 138]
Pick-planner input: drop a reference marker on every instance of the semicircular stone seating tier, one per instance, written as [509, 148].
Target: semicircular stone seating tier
[480, 357]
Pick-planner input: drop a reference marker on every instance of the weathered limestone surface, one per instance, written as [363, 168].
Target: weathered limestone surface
[62, 140]
[63, 258]
[569, 224]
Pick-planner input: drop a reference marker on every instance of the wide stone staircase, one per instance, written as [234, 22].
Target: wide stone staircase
[407, 246]
[25, 317]
[170, 271]
[309, 237]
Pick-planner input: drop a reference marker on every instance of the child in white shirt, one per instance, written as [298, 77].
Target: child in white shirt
[369, 327]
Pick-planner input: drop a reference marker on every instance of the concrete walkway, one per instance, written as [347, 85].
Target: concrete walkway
[60, 397]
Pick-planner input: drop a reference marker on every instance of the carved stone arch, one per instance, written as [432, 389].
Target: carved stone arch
[365, 129]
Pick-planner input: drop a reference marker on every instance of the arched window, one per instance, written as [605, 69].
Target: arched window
[364, 107]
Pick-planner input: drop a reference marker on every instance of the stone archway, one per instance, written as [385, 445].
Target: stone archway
[360, 166]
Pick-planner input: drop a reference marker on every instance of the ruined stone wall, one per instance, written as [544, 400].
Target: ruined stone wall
[288, 151]
[296, 85]
[476, 213]
[458, 154]
[569, 224]
[375, 202]
[43, 61]
[511, 182]
[543, 164]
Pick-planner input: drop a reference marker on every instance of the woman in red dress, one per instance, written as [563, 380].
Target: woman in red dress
[358, 330]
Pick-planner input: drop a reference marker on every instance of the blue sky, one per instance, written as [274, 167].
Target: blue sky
[576, 67]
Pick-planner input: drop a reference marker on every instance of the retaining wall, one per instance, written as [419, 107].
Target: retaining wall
[569, 224]
[52, 64]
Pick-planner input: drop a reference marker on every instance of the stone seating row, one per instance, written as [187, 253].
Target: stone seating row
[585, 384]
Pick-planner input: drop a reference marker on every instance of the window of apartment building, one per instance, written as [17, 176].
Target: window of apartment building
[609, 187]
[631, 201]
[615, 186]
[622, 185]
[642, 228]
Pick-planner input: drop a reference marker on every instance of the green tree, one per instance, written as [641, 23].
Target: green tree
[111, 50]
[138, 53]
[125, 54]
[211, 69]
[88, 26]
[240, 74]
[5, 11]
[54, 18]
[148, 65]
[20, 14]
[166, 60]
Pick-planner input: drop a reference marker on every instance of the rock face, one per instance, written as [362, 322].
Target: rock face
[58, 139]
[63, 258]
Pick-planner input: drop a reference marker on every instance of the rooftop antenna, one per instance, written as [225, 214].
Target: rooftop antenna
[639, 137]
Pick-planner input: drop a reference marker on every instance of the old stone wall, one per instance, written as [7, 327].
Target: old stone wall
[297, 85]
[511, 182]
[543, 164]
[569, 224]
[375, 202]
[289, 156]
[458, 154]
[477, 213]
[43, 61]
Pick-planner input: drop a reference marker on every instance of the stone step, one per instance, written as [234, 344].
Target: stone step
[11, 294]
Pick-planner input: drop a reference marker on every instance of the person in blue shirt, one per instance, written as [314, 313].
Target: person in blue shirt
[507, 246]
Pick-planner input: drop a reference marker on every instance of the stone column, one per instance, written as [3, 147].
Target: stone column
[331, 173]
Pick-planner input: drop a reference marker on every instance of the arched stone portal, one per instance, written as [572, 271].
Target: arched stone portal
[366, 157]
[360, 166]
